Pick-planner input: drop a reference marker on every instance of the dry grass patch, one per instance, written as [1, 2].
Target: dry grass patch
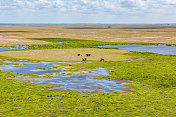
[69, 54]
[20, 42]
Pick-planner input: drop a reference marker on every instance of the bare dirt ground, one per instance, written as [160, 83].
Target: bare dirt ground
[69, 54]
[10, 35]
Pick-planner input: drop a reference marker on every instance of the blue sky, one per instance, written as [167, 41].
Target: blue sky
[88, 11]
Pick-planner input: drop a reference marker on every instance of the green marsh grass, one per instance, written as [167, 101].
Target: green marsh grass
[77, 43]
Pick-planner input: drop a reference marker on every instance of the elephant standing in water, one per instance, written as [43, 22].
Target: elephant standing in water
[101, 59]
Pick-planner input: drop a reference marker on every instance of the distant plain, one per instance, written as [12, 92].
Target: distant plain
[17, 34]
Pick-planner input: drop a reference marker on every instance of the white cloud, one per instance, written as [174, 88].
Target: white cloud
[59, 3]
[33, 4]
[171, 2]
[101, 4]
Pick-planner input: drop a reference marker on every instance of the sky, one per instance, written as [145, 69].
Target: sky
[88, 11]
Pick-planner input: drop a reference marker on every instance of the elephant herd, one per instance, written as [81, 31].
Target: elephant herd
[87, 55]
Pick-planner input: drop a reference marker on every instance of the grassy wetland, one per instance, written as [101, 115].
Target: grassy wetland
[151, 77]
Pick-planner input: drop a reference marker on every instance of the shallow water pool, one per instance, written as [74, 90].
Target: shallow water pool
[10, 47]
[80, 82]
[159, 49]
[20, 47]
[29, 67]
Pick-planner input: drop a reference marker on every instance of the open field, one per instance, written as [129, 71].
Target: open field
[145, 34]
[69, 54]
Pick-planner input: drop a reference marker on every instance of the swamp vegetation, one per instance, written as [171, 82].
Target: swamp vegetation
[152, 92]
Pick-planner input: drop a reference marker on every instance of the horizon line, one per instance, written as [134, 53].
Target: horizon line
[87, 23]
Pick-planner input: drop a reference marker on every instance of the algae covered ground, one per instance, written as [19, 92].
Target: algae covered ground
[152, 80]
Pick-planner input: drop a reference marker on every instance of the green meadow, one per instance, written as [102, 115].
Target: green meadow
[152, 93]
